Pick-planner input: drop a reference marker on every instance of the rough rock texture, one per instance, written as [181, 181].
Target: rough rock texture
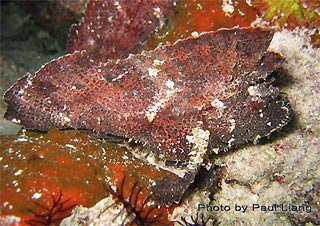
[207, 92]
[103, 213]
[188, 207]
[285, 171]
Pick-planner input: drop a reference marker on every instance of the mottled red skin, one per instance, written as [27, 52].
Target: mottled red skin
[217, 65]
[114, 28]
